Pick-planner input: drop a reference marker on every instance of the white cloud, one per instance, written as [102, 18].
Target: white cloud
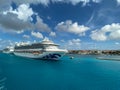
[24, 12]
[115, 35]
[44, 2]
[37, 34]
[21, 16]
[107, 32]
[5, 43]
[34, 41]
[74, 2]
[98, 35]
[26, 36]
[118, 1]
[117, 43]
[53, 34]
[5, 4]
[48, 17]
[41, 26]
[97, 1]
[19, 32]
[10, 21]
[62, 40]
[72, 44]
[21, 20]
[70, 27]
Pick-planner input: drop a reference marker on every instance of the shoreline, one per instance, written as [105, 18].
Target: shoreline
[95, 52]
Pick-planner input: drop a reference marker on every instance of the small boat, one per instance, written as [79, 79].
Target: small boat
[71, 57]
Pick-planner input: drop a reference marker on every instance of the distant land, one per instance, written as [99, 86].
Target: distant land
[95, 52]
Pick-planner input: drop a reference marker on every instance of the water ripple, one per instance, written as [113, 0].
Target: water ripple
[2, 83]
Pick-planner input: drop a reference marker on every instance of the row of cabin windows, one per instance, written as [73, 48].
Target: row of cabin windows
[35, 46]
[33, 52]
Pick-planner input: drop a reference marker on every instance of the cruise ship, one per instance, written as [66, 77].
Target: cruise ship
[43, 50]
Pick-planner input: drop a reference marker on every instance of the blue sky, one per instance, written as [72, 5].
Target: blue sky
[74, 24]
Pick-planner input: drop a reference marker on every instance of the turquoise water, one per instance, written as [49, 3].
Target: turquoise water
[81, 73]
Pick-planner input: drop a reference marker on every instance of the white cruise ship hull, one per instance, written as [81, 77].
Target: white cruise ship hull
[54, 55]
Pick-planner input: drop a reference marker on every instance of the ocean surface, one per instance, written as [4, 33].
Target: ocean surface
[83, 72]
